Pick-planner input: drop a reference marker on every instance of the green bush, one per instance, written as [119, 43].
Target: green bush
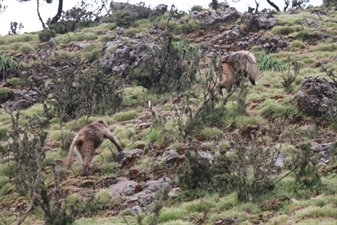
[197, 8]
[14, 82]
[46, 35]
[122, 18]
[8, 65]
[5, 94]
[26, 48]
[267, 62]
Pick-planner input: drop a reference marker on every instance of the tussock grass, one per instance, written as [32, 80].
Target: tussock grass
[170, 214]
[147, 165]
[296, 44]
[326, 47]
[103, 197]
[273, 109]
[26, 49]
[286, 29]
[211, 133]
[292, 19]
[227, 202]
[248, 120]
[124, 116]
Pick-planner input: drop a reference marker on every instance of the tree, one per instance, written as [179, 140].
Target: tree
[2, 7]
[55, 18]
[295, 4]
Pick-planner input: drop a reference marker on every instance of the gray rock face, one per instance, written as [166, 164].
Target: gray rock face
[126, 157]
[126, 54]
[137, 11]
[170, 158]
[212, 17]
[22, 99]
[316, 97]
[161, 8]
[325, 150]
[138, 202]
[257, 22]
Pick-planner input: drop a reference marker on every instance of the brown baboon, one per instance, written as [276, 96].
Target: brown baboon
[87, 140]
[237, 63]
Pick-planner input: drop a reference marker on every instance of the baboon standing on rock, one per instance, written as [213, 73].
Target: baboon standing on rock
[87, 140]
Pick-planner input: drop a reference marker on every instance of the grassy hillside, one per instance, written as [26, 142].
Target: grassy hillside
[242, 131]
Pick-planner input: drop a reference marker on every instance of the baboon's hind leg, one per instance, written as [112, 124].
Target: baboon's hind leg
[88, 155]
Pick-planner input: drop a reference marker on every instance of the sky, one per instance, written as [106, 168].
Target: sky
[26, 12]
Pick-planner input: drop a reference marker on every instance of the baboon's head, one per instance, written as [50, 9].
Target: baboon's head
[102, 122]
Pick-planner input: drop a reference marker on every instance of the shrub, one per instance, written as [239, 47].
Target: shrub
[8, 65]
[14, 82]
[46, 35]
[168, 66]
[197, 8]
[122, 18]
[77, 98]
[5, 94]
[26, 49]
[267, 62]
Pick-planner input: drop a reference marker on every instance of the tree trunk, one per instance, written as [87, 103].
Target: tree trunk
[274, 6]
[58, 14]
[38, 14]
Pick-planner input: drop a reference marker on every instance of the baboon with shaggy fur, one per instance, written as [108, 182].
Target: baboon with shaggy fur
[87, 140]
[237, 63]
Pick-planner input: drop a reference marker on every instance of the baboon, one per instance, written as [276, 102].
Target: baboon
[87, 140]
[234, 64]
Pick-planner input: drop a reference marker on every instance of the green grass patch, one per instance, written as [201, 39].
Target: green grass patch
[211, 133]
[169, 214]
[274, 109]
[286, 29]
[326, 47]
[296, 45]
[124, 116]
[26, 48]
[103, 197]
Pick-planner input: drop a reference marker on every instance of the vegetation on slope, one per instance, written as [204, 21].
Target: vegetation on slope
[245, 131]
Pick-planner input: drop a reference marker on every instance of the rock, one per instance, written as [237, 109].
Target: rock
[158, 185]
[136, 210]
[21, 104]
[161, 8]
[256, 22]
[139, 11]
[325, 150]
[174, 192]
[316, 97]
[127, 157]
[22, 99]
[123, 187]
[206, 155]
[170, 158]
[210, 17]
[272, 44]
[126, 54]
[155, 30]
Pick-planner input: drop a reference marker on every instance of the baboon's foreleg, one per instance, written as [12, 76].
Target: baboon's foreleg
[108, 135]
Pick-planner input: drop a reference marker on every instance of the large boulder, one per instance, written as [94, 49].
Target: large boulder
[316, 97]
[211, 17]
[256, 22]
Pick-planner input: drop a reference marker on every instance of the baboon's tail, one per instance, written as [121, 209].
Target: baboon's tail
[69, 161]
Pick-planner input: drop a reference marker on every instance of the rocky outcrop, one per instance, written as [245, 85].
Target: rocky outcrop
[325, 150]
[317, 97]
[210, 17]
[256, 22]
